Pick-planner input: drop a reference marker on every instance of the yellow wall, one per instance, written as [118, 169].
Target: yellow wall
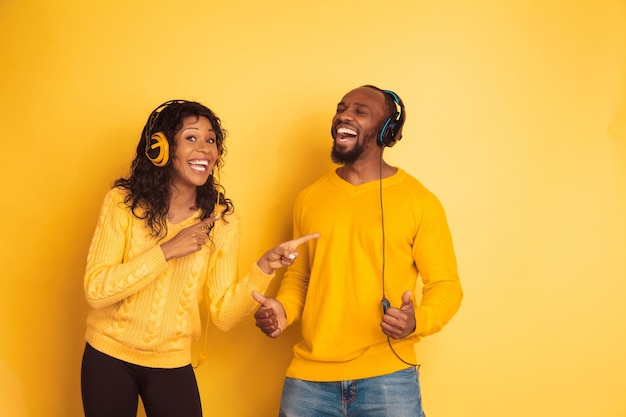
[516, 120]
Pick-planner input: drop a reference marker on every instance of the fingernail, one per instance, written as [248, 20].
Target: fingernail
[291, 256]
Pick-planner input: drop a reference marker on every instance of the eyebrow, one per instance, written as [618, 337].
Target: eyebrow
[196, 128]
[342, 103]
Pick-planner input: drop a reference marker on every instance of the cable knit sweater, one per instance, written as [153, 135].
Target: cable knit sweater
[145, 309]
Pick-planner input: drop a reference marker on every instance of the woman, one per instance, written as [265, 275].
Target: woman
[166, 235]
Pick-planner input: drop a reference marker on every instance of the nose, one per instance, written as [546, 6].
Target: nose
[204, 146]
[343, 115]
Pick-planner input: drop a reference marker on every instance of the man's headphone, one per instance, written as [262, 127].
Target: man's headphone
[391, 130]
[157, 145]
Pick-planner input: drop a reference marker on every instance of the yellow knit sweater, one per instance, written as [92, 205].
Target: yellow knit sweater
[145, 309]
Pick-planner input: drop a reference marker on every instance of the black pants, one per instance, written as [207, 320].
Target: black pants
[111, 387]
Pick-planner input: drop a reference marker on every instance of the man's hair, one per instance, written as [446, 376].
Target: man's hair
[389, 101]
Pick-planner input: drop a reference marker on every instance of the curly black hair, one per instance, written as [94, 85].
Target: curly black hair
[148, 185]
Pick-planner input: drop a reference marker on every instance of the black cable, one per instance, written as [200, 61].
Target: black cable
[384, 302]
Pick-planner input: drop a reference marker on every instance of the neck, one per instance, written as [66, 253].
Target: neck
[360, 172]
[182, 202]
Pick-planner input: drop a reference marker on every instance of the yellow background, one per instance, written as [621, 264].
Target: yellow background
[516, 120]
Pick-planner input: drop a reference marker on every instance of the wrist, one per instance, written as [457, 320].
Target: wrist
[264, 265]
[166, 253]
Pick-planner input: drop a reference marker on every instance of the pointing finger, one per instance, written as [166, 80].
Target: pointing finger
[211, 219]
[306, 238]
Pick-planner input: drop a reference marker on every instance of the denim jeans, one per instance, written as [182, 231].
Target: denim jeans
[394, 395]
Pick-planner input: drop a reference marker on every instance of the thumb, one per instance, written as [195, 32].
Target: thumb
[259, 298]
[406, 300]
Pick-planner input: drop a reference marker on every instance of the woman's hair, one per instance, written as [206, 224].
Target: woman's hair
[148, 185]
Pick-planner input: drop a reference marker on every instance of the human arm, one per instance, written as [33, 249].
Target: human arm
[122, 259]
[271, 317]
[230, 295]
[294, 285]
[435, 258]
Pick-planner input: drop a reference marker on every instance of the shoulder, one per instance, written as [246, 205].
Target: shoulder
[415, 189]
[227, 226]
[115, 197]
[115, 203]
[321, 184]
[411, 183]
[117, 194]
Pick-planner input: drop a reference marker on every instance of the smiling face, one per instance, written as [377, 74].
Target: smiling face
[356, 124]
[196, 152]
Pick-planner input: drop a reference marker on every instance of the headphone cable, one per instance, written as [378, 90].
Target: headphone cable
[384, 301]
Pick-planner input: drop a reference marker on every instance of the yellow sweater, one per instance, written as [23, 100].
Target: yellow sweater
[335, 286]
[145, 309]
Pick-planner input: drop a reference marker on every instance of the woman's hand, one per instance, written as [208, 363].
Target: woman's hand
[189, 240]
[283, 255]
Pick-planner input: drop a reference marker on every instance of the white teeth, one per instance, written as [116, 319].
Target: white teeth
[199, 165]
[346, 131]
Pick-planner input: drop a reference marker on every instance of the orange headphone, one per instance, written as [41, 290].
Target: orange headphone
[157, 145]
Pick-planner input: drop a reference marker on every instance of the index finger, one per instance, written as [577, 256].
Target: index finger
[208, 221]
[306, 238]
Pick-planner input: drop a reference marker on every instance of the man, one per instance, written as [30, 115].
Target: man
[353, 287]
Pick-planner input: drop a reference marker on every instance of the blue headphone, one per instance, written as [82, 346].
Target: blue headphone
[391, 131]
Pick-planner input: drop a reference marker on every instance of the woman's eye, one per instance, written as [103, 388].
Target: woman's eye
[210, 140]
[191, 138]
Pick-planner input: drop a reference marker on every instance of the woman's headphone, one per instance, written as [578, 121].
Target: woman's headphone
[157, 145]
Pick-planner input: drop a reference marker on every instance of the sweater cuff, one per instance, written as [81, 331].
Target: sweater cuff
[422, 322]
[259, 280]
[156, 258]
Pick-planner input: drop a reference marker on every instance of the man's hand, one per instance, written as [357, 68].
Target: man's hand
[270, 317]
[398, 323]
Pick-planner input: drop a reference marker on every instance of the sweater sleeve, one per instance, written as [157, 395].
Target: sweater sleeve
[109, 277]
[231, 296]
[434, 255]
[295, 283]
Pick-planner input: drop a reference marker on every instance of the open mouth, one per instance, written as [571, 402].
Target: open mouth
[199, 165]
[345, 133]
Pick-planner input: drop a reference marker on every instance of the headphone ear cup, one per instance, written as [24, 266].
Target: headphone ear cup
[158, 149]
[387, 136]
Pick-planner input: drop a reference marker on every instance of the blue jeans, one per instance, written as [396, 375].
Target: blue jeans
[394, 395]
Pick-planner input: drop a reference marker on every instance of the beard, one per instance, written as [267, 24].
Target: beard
[340, 156]
[347, 157]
